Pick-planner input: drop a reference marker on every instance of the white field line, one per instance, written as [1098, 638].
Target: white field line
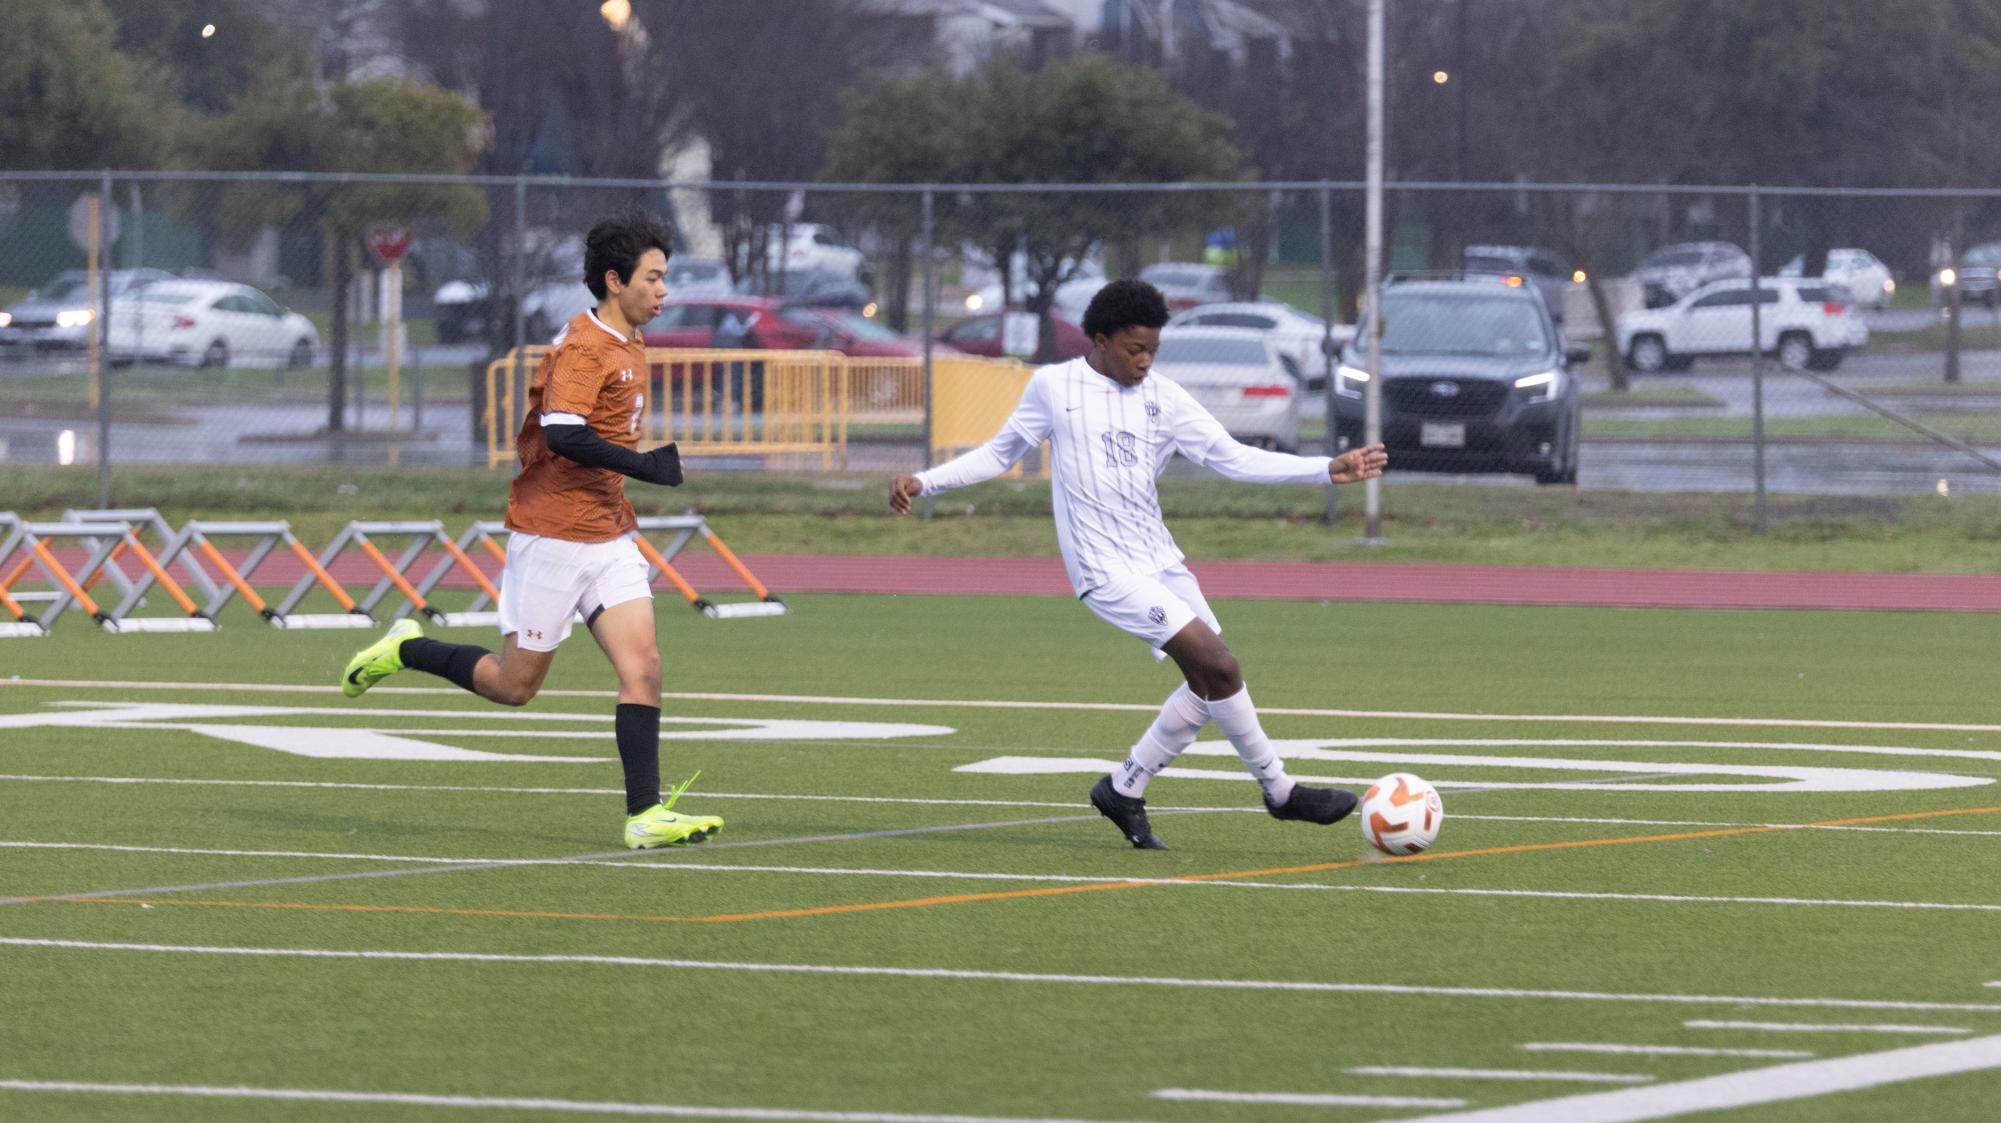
[1502, 1074]
[1302, 1099]
[1775, 1084]
[856, 971]
[894, 800]
[997, 704]
[1821, 1027]
[498, 1103]
[1660, 1050]
[669, 865]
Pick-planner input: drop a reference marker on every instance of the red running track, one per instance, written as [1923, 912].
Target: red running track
[1334, 581]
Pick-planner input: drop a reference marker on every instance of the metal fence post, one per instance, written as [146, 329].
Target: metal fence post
[103, 371]
[1372, 318]
[925, 239]
[1757, 377]
[1327, 338]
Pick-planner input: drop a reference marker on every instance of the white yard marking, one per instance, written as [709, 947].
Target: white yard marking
[676, 866]
[996, 704]
[1776, 1084]
[1823, 1027]
[500, 1103]
[1776, 777]
[1303, 1099]
[1502, 1074]
[1638, 998]
[1660, 1050]
[349, 742]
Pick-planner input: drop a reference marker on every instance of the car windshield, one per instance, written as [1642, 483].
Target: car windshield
[861, 327]
[69, 286]
[1461, 325]
[789, 283]
[1226, 352]
[1987, 253]
[695, 271]
[1482, 263]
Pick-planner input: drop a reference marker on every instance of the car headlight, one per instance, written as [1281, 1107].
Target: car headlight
[6, 318]
[1348, 381]
[75, 317]
[1541, 387]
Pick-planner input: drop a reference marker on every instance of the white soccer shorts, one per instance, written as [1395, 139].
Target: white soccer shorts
[547, 582]
[1152, 607]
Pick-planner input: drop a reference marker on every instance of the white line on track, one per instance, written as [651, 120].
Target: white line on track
[1303, 1099]
[1822, 1027]
[1774, 1084]
[1660, 1050]
[672, 865]
[499, 1103]
[995, 704]
[1502, 1074]
[857, 970]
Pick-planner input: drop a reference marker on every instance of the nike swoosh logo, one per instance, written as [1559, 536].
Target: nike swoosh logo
[1071, 409]
[354, 676]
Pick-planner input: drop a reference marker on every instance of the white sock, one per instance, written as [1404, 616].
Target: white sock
[1181, 716]
[1238, 720]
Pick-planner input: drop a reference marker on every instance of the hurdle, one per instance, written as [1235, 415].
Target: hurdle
[102, 540]
[423, 536]
[197, 539]
[480, 614]
[22, 626]
[685, 527]
[141, 519]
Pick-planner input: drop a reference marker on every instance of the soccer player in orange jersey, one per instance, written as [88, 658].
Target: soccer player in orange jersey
[571, 549]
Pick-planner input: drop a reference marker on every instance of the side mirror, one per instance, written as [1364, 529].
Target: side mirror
[1576, 353]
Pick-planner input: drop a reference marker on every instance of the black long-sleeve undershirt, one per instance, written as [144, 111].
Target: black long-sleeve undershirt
[582, 444]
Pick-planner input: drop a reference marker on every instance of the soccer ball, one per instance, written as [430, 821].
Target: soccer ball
[1401, 814]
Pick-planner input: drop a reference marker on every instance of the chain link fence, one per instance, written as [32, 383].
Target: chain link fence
[1601, 335]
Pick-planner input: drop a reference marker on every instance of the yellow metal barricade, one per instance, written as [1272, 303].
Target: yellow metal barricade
[972, 397]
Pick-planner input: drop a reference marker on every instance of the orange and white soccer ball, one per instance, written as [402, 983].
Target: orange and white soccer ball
[1401, 814]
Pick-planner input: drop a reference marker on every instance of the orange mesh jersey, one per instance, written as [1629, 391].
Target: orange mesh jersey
[598, 375]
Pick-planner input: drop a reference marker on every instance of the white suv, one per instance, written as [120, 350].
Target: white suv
[1806, 323]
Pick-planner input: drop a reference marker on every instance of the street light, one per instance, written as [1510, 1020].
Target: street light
[1441, 77]
[617, 13]
[208, 31]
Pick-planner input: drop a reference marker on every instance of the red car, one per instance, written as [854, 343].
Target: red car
[981, 335]
[765, 323]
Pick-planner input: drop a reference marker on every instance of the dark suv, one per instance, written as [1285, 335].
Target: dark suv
[1476, 378]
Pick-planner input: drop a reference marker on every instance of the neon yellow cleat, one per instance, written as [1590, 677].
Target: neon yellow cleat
[661, 825]
[378, 660]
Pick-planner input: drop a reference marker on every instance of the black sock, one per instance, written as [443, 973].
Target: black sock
[638, 731]
[452, 661]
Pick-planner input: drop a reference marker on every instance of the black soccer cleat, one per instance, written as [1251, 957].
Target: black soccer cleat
[1126, 813]
[1313, 805]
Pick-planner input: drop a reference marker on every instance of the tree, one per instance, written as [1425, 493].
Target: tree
[72, 100]
[384, 125]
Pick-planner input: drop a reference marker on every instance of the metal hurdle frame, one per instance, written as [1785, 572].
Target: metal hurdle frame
[658, 560]
[22, 626]
[103, 539]
[194, 539]
[423, 536]
[140, 519]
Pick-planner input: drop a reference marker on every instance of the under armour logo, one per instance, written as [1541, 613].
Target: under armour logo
[532, 634]
[1157, 614]
[625, 375]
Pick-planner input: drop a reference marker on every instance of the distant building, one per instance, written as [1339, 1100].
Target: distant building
[963, 34]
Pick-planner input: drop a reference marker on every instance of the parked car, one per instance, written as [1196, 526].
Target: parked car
[1295, 333]
[1072, 296]
[1186, 284]
[1978, 277]
[764, 323]
[990, 335]
[1807, 324]
[1862, 273]
[210, 324]
[1672, 272]
[806, 286]
[1547, 270]
[698, 276]
[62, 314]
[553, 295]
[1238, 375]
[1476, 378]
[811, 247]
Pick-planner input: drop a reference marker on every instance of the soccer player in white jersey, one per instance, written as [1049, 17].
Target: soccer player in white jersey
[1112, 430]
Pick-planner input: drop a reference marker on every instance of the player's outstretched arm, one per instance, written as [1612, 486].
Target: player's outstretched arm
[1358, 464]
[902, 490]
[582, 444]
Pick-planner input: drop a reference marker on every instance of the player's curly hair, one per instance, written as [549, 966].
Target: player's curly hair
[618, 243]
[1124, 304]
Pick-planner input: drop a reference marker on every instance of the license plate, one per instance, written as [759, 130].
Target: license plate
[1442, 434]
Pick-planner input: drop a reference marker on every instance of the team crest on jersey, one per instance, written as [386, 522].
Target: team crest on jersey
[1157, 614]
[1153, 409]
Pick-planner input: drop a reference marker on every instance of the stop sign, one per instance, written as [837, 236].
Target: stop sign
[388, 243]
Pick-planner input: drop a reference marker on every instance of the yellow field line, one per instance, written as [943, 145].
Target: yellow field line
[1018, 894]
